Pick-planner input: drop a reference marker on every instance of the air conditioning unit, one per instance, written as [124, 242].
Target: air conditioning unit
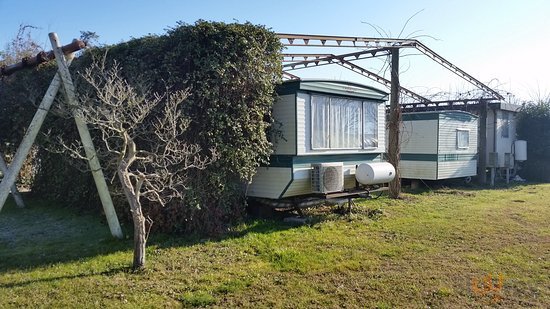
[492, 159]
[327, 177]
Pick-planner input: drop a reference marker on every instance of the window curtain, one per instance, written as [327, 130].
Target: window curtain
[339, 123]
[320, 122]
[345, 123]
[462, 139]
[370, 124]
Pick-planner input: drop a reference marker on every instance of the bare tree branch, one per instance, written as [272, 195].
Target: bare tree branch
[142, 136]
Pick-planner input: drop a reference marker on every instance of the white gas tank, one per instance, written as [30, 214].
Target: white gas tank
[521, 150]
[374, 173]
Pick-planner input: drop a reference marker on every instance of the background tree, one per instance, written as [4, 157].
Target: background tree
[142, 136]
[534, 127]
[15, 114]
[21, 46]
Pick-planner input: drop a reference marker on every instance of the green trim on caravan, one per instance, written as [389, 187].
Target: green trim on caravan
[432, 157]
[290, 160]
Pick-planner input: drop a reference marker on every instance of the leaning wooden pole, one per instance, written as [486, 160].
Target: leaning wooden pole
[14, 192]
[86, 139]
[30, 135]
[32, 131]
[394, 124]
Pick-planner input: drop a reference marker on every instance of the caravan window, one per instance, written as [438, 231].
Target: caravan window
[462, 138]
[505, 131]
[341, 123]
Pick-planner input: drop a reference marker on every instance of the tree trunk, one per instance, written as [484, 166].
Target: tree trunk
[394, 125]
[140, 236]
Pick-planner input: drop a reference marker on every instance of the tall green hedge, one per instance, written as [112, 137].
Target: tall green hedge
[534, 127]
[231, 71]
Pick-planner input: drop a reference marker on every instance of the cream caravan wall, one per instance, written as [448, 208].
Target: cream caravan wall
[419, 136]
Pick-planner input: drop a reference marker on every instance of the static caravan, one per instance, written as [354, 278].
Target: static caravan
[439, 145]
[329, 128]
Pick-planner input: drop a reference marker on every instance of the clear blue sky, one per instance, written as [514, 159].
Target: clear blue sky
[503, 43]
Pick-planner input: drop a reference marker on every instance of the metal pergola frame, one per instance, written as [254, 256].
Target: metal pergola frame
[376, 47]
[370, 48]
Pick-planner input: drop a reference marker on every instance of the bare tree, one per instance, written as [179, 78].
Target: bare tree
[20, 47]
[143, 142]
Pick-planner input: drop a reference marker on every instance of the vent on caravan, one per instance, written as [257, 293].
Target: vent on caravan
[327, 177]
[492, 159]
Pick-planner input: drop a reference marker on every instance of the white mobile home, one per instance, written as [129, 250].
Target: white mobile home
[328, 124]
[439, 145]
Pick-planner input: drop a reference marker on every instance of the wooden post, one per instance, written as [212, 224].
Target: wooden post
[482, 144]
[86, 139]
[394, 125]
[26, 144]
[16, 196]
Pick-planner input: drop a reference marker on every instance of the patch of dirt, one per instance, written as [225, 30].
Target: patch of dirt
[407, 198]
[455, 192]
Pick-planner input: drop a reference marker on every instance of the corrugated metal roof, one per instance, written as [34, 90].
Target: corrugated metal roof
[334, 87]
[505, 106]
[458, 115]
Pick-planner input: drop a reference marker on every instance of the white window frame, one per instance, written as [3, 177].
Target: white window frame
[362, 118]
[459, 133]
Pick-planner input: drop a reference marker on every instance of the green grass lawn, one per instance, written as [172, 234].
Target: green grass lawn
[425, 250]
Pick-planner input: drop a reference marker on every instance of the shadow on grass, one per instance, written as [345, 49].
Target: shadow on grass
[455, 184]
[257, 225]
[109, 272]
[44, 234]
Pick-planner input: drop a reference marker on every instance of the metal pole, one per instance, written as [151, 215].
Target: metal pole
[26, 144]
[86, 139]
[16, 196]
